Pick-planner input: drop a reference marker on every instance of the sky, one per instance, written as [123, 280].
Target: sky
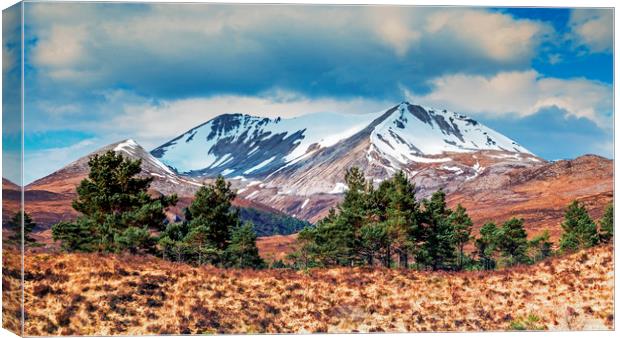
[100, 73]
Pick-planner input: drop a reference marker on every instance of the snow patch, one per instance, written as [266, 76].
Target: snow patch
[303, 205]
[260, 165]
[339, 188]
[227, 171]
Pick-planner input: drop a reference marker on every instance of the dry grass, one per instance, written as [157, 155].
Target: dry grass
[11, 288]
[91, 294]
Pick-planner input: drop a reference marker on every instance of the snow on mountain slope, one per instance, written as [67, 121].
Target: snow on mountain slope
[411, 131]
[250, 145]
[238, 145]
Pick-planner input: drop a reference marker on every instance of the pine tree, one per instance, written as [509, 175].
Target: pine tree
[579, 229]
[462, 224]
[541, 246]
[77, 236]
[15, 225]
[606, 224]
[512, 242]
[212, 213]
[135, 240]
[115, 208]
[438, 250]
[486, 245]
[403, 216]
[376, 242]
[242, 251]
[171, 240]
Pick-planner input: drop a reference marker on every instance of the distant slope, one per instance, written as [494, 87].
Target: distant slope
[48, 200]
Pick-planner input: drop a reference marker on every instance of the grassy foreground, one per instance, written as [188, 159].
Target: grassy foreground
[93, 294]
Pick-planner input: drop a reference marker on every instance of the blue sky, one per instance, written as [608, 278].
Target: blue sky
[99, 73]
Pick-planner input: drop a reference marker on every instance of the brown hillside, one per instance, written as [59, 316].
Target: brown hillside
[90, 294]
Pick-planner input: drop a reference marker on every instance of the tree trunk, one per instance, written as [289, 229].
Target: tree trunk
[403, 259]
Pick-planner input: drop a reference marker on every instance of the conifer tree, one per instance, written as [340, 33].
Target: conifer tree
[15, 224]
[376, 243]
[212, 214]
[438, 250]
[606, 224]
[512, 242]
[242, 251]
[486, 245]
[461, 224]
[579, 229]
[541, 246]
[115, 208]
[403, 215]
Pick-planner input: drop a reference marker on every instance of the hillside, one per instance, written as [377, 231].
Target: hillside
[48, 200]
[91, 294]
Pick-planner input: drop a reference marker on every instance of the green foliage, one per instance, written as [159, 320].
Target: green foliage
[270, 223]
[15, 225]
[606, 224]
[541, 247]
[579, 229]
[376, 225]
[211, 232]
[529, 323]
[76, 236]
[212, 214]
[486, 246]
[461, 224]
[242, 251]
[115, 209]
[402, 216]
[375, 242]
[135, 240]
[438, 250]
[512, 242]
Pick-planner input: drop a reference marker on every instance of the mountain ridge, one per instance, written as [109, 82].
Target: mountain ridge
[253, 147]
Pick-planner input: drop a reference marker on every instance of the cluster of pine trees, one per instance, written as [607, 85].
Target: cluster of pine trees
[385, 225]
[117, 214]
[388, 223]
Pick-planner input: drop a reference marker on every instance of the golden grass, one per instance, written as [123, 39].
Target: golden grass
[93, 294]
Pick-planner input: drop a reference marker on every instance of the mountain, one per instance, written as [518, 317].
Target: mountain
[48, 199]
[237, 145]
[297, 165]
[290, 169]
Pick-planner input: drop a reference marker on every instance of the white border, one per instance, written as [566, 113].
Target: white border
[484, 3]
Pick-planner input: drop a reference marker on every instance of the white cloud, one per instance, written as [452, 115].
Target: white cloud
[80, 33]
[62, 46]
[522, 93]
[502, 37]
[593, 28]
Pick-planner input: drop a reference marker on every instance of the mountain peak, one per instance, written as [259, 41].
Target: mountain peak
[250, 146]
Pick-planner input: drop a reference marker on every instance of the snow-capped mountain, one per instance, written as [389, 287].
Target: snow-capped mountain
[236, 145]
[297, 165]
